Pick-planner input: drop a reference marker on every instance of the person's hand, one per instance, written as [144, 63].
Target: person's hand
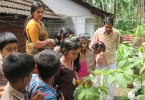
[2, 88]
[1, 92]
[37, 95]
[51, 43]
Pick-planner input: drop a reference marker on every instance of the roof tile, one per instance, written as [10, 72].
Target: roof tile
[22, 7]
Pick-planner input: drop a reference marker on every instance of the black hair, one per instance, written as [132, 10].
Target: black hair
[17, 66]
[48, 62]
[83, 36]
[35, 6]
[108, 20]
[99, 44]
[65, 32]
[71, 44]
[6, 38]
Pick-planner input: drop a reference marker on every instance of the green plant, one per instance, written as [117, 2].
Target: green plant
[125, 54]
[120, 77]
[140, 63]
[86, 91]
[140, 30]
[124, 98]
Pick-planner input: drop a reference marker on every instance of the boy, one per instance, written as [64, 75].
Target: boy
[8, 45]
[18, 69]
[47, 64]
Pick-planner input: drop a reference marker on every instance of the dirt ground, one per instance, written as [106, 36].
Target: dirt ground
[119, 93]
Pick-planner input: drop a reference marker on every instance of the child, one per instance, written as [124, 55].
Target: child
[47, 63]
[98, 48]
[65, 32]
[86, 58]
[18, 69]
[66, 77]
[8, 45]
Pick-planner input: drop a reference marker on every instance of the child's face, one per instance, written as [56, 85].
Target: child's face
[73, 54]
[98, 50]
[8, 49]
[83, 43]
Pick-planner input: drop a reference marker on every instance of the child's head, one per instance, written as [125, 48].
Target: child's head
[47, 63]
[65, 32]
[18, 68]
[70, 48]
[98, 47]
[83, 40]
[70, 45]
[8, 43]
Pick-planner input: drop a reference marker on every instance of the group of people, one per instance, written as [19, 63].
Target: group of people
[51, 69]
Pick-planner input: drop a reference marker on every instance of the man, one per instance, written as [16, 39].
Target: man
[111, 38]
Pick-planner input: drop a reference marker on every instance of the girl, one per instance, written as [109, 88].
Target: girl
[98, 47]
[64, 33]
[87, 56]
[86, 65]
[35, 31]
[66, 77]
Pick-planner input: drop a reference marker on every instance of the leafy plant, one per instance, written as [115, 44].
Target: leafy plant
[119, 77]
[124, 98]
[140, 30]
[125, 55]
[86, 91]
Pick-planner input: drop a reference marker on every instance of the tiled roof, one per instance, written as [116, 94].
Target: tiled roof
[22, 7]
[93, 10]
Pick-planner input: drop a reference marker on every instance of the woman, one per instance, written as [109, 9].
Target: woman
[35, 31]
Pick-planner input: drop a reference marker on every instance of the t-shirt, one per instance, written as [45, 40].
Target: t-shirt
[37, 84]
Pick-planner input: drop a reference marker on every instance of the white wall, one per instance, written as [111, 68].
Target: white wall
[67, 8]
[83, 25]
[89, 26]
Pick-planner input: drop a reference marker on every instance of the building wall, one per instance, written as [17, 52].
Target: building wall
[53, 26]
[16, 28]
[84, 25]
[15, 25]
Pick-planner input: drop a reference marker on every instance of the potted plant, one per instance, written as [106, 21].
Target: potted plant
[139, 82]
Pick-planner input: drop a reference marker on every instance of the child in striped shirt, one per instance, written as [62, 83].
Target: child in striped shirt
[47, 64]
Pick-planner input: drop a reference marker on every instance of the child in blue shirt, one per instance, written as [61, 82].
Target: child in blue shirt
[47, 64]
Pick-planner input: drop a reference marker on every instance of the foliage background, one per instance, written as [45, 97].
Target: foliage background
[129, 13]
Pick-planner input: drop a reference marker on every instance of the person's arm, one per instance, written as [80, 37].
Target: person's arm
[1, 90]
[118, 41]
[33, 35]
[37, 95]
[78, 81]
[41, 44]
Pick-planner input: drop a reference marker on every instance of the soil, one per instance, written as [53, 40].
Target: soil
[119, 93]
